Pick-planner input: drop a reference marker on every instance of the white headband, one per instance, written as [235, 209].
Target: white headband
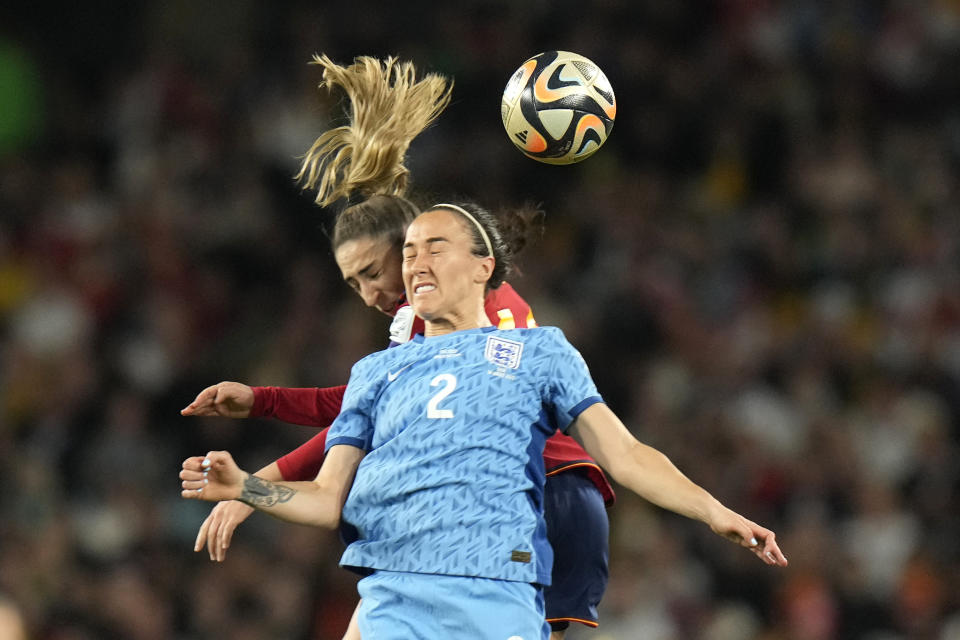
[483, 232]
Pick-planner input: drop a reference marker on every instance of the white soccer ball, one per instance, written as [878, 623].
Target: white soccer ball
[558, 107]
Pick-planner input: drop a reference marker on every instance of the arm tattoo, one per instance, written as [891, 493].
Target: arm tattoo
[260, 493]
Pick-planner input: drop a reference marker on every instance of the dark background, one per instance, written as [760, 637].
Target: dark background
[762, 268]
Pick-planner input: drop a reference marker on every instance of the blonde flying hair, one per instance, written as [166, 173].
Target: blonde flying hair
[389, 107]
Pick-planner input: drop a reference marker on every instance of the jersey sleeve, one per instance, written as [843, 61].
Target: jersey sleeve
[354, 425]
[569, 387]
[309, 407]
[303, 463]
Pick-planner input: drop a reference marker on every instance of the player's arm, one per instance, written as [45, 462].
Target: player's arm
[651, 475]
[303, 463]
[225, 399]
[312, 407]
[319, 503]
[216, 532]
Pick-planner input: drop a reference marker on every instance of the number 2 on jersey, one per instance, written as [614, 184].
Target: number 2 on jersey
[449, 382]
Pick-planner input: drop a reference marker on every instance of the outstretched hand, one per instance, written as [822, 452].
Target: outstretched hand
[760, 540]
[216, 532]
[226, 399]
[213, 477]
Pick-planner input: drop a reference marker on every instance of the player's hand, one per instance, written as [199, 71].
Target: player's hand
[213, 477]
[760, 540]
[216, 532]
[226, 399]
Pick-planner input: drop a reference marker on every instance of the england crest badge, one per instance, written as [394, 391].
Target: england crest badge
[503, 352]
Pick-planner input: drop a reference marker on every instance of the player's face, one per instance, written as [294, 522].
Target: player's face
[442, 276]
[371, 266]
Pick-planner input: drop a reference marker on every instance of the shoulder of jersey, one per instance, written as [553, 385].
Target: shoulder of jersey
[550, 336]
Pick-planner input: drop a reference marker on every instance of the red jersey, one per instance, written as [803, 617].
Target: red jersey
[319, 407]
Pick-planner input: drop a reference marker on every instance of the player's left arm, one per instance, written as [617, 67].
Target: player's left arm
[651, 475]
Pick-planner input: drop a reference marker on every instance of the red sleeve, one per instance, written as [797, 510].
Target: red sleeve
[507, 310]
[309, 407]
[303, 463]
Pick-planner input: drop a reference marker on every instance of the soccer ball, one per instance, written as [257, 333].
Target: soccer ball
[558, 107]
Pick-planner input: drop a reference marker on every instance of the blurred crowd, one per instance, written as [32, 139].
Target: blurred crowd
[762, 268]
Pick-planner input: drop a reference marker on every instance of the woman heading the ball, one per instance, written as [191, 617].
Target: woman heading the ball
[438, 444]
[365, 159]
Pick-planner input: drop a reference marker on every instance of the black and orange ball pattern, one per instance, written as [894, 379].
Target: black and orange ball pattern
[558, 107]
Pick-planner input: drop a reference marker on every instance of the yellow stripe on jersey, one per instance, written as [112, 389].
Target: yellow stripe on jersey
[506, 319]
[531, 323]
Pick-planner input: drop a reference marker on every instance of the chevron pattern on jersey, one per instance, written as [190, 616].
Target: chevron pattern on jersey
[453, 479]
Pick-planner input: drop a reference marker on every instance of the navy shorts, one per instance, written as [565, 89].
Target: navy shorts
[578, 531]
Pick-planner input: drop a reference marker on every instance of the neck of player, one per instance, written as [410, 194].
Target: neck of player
[468, 316]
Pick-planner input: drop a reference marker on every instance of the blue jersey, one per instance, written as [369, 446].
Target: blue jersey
[454, 428]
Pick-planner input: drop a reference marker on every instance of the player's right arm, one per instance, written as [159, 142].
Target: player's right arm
[312, 407]
[237, 400]
[303, 463]
[217, 529]
[225, 399]
[217, 477]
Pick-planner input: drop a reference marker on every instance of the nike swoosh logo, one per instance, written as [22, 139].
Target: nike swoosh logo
[392, 375]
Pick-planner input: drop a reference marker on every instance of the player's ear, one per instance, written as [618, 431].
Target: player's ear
[484, 269]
